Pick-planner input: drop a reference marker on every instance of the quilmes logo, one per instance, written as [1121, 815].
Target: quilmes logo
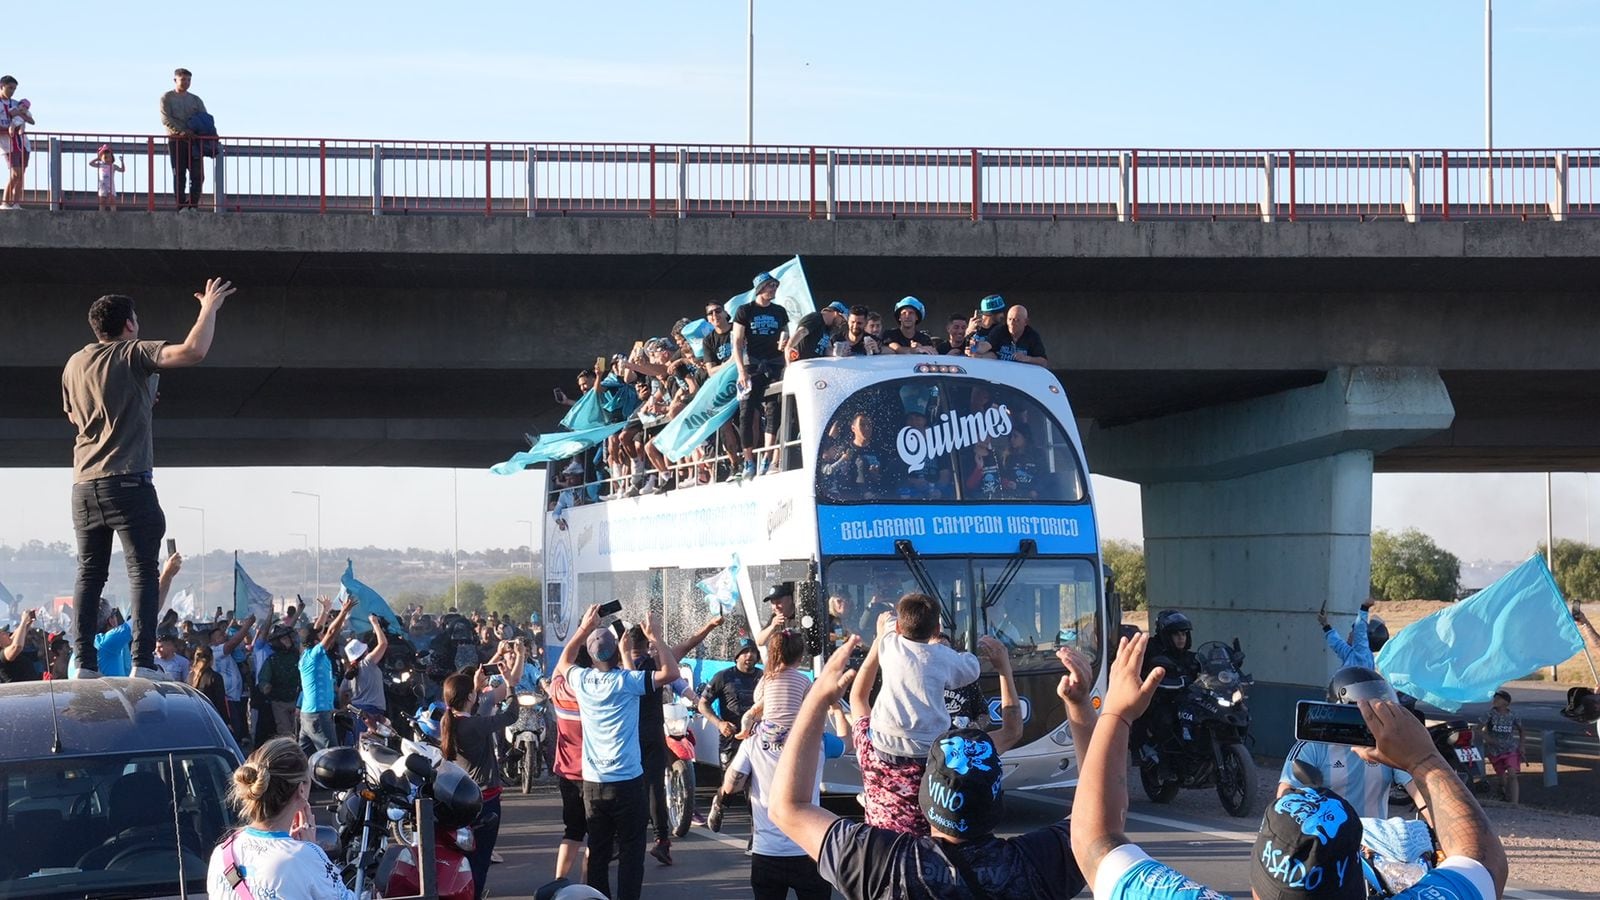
[951, 432]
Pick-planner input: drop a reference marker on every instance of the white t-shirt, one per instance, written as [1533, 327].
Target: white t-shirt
[276, 865]
[232, 681]
[910, 714]
[1128, 873]
[758, 758]
[1365, 785]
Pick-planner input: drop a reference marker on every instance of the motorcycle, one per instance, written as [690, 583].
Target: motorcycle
[680, 773]
[1207, 746]
[527, 738]
[377, 787]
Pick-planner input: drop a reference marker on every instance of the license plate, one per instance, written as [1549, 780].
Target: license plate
[1469, 754]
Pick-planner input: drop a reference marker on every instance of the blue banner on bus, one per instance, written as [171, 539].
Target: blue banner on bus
[950, 528]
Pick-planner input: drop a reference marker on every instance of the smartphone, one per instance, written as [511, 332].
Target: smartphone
[610, 609]
[559, 394]
[491, 669]
[172, 546]
[618, 628]
[1331, 723]
[638, 349]
[601, 364]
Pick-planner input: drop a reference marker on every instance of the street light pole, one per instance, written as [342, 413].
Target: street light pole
[318, 498]
[530, 544]
[305, 549]
[455, 555]
[202, 513]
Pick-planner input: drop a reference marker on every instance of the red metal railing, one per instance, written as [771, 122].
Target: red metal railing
[324, 176]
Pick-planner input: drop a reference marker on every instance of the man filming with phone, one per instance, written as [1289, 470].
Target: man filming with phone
[1309, 844]
[1364, 783]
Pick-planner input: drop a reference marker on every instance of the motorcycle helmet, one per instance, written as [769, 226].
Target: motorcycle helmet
[1170, 622]
[457, 799]
[429, 717]
[913, 304]
[1377, 633]
[337, 768]
[1353, 683]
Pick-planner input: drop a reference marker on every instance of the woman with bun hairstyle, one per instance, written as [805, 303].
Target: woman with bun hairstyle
[273, 855]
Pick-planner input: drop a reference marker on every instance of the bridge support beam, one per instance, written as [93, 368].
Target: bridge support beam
[1258, 514]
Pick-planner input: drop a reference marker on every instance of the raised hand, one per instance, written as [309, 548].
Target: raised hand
[216, 292]
[1403, 743]
[834, 679]
[1127, 694]
[1079, 680]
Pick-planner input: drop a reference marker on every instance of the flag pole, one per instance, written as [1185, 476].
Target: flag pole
[236, 584]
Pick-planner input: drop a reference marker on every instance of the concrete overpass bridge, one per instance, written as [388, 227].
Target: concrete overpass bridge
[1250, 357]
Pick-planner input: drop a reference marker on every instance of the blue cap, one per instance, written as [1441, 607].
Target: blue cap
[762, 278]
[992, 304]
[911, 303]
[839, 308]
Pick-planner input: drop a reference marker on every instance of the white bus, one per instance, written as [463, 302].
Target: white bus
[960, 478]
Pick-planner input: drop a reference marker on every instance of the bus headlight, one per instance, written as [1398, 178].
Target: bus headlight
[1062, 736]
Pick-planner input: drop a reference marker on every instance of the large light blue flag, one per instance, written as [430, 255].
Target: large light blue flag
[249, 598]
[584, 414]
[794, 294]
[556, 446]
[367, 601]
[1465, 653]
[715, 403]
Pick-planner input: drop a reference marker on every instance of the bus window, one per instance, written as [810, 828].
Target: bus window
[858, 591]
[764, 578]
[1050, 603]
[946, 439]
[790, 441]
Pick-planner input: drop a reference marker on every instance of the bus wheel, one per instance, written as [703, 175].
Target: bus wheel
[680, 796]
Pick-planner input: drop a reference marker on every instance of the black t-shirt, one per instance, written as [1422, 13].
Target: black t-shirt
[867, 862]
[24, 668]
[945, 348]
[895, 338]
[1006, 347]
[867, 346]
[763, 326]
[474, 739]
[652, 721]
[818, 339]
[717, 347]
[731, 693]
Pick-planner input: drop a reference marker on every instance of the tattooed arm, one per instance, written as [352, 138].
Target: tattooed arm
[1100, 809]
[1461, 826]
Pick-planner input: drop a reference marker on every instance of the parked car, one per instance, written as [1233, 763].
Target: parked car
[110, 787]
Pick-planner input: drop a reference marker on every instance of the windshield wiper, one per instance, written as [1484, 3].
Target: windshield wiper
[925, 581]
[1026, 548]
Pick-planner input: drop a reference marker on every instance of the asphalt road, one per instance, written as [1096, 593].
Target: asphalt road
[711, 866]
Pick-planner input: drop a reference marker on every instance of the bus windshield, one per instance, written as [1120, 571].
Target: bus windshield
[1044, 604]
[936, 439]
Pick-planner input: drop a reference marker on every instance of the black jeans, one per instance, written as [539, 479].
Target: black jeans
[772, 877]
[762, 373]
[124, 505]
[186, 158]
[655, 787]
[616, 816]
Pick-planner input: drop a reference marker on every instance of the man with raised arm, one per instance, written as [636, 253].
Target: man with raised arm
[1309, 845]
[108, 391]
[613, 772]
[316, 679]
[962, 858]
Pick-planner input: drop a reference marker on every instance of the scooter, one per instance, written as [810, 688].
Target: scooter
[527, 737]
[680, 773]
[378, 787]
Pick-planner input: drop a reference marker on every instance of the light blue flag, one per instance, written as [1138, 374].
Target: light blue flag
[794, 294]
[1465, 653]
[556, 446]
[715, 403]
[584, 414]
[367, 601]
[249, 598]
[722, 589]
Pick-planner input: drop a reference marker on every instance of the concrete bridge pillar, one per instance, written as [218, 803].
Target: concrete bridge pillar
[1258, 514]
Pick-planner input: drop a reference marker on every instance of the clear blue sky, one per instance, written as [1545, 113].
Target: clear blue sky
[1162, 73]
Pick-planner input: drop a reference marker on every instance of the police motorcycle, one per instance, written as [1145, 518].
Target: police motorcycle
[1196, 735]
[527, 739]
[377, 785]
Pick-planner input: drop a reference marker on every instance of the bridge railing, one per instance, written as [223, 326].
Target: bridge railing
[384, 177]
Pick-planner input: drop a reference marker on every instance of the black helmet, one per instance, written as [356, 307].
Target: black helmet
[1170, 622]
[337, 768]
[1377, 633]
[1353, 683]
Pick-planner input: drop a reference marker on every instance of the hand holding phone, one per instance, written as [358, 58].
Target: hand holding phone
[172, 546]
[610, 609]
[490, 670]
[1332, 723]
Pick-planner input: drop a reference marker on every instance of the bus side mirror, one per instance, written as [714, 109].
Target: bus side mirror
[812, 617]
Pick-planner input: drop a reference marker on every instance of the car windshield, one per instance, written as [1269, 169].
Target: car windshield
[1048, 603]
[113, 824]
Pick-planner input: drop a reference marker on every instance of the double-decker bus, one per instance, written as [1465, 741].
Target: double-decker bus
[960, 478]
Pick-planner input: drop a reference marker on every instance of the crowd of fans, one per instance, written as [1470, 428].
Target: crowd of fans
[647, 387]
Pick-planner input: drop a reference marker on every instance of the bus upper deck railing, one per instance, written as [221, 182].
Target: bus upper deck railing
[499, 178]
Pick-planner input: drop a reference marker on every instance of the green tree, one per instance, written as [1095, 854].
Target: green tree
[1577, 569]
[1126, 561]
[516, 597]
[472, 598]
[1410, 566]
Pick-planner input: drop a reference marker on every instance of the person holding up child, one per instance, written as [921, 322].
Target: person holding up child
[107, 163]
[14, 121]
